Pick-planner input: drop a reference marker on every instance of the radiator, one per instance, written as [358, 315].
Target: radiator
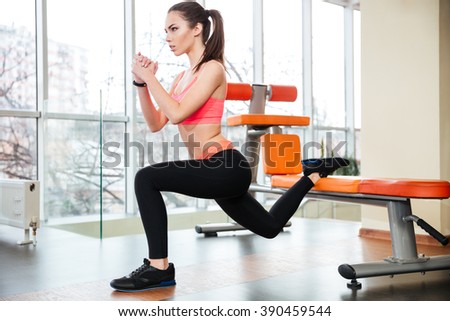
[20, 206]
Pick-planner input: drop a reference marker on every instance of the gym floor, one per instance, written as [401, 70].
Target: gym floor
[300, 264]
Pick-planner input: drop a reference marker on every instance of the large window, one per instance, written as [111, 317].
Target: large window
[63, 101]
[283, 50]
[18, 143]
[328, 64]
[334, 79]
[86, 56]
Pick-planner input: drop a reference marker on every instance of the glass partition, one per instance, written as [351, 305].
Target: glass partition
[86, 90]
[113, 169]
[72, 179]
[84, 174]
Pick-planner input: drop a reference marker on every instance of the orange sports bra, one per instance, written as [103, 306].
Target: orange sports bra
[210, 113]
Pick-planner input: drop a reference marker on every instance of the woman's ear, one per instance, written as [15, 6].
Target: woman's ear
[198, 29]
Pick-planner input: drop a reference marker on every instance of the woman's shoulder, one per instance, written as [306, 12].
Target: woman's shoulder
[214, 66]
[213, 69]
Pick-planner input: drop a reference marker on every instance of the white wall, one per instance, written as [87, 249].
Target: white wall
[405, 99]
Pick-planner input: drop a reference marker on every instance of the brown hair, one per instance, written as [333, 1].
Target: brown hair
[194, 13]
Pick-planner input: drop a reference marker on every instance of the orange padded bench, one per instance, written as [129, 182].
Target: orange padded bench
[281, 154]
[281, 160]
[400, 187]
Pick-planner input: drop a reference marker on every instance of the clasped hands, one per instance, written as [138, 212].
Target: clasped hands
[141, 66]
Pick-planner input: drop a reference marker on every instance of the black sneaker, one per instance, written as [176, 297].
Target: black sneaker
[144, 278]
[323, 166]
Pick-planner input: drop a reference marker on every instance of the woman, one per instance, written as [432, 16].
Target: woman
[215, 169]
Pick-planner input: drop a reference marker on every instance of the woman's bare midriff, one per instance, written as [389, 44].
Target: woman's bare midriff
[203, 139]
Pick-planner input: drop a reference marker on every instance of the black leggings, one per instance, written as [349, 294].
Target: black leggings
[225, 177]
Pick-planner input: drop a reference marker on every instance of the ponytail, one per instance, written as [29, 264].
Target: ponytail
[214, 46]
[194, 13]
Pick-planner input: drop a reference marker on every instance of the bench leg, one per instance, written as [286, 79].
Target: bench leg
[404, 249]
[404, 259]
[382, 268]
[251, 150]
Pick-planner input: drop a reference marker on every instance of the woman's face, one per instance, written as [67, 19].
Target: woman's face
[180, 36]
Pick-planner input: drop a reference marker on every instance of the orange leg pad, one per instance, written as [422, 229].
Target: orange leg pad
[237, 91]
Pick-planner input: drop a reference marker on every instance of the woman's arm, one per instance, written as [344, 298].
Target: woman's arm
[211, 77]
[154, 117]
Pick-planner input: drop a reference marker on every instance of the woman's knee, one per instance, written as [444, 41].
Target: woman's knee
[144, 177]
[268, 232]
[271, 233]
[139, 177]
